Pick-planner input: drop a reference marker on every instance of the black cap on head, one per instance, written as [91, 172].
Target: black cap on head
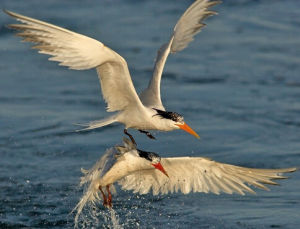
[169, 115]
[150, 156]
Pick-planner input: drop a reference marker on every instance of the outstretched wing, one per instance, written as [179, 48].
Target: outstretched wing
[186, 28]
[188, 174]
[80, 52]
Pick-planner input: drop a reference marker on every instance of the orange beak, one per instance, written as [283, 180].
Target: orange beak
[160, 168]
[188, 129]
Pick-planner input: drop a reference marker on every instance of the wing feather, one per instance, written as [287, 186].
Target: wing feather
[187, 174]
[189, 24]
[80, 52]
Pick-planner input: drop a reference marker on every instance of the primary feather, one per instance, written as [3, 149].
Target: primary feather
[197, 174]
[189, 24]
[80, 52]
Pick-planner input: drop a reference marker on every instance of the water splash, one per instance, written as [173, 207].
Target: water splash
[115, 220]
[96, 218]
[88, 213]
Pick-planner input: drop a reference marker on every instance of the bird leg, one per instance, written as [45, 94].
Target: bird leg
[149, 135]
[131, 138]
[109, 196]
[105, 202]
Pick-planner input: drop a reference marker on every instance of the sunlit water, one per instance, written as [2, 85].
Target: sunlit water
[237, 85]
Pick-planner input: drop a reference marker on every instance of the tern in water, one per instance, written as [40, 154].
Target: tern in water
[143, 172]
[80, 52]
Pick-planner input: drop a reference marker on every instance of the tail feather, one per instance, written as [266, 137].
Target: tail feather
[91, 179]
[98, 123]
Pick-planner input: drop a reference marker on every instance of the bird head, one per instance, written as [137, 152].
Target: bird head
[154, 159]
[176, 121]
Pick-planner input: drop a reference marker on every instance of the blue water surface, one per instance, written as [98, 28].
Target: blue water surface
[237, 85]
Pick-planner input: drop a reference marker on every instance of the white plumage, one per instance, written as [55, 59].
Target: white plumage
[125, 166]
[80, 52]
[196, 174]
[186, 28]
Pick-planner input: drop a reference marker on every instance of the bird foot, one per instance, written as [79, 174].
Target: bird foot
[109, 199]
[130, 136]
[149, 135]
[107, 204]
[106, 201]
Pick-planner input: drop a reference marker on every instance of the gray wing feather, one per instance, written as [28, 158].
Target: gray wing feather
[187, 174]
[191, 23]
[186, 28]
[80, 52]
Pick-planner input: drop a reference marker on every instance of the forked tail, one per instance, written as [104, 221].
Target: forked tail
[98, 123]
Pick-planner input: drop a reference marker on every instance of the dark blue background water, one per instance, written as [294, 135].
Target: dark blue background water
[238, 86]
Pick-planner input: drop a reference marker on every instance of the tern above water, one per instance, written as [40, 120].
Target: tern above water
[143, 172]
[80, 52]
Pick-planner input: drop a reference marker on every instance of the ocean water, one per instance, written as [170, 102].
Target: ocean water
[237, 85]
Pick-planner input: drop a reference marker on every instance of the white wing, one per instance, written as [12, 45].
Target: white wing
[187, 174]
[80, 52]
[186, 28]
